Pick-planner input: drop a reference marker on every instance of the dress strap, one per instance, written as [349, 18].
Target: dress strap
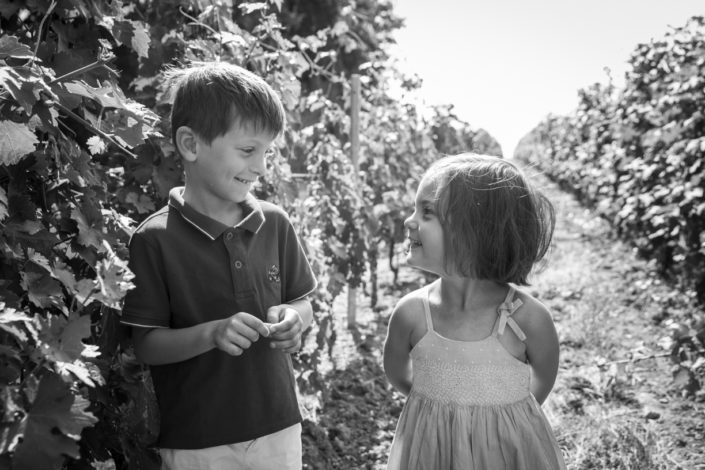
[505, 310]
[427, 309]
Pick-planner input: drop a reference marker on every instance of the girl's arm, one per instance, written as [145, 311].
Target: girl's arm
[397, 363]
[541, 349]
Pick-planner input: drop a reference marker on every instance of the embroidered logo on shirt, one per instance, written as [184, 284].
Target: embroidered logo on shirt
[273, 274]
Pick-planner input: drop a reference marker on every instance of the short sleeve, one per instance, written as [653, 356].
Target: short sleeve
[299, 280]
[147, 304]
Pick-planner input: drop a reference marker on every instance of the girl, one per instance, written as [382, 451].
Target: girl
[483, 354]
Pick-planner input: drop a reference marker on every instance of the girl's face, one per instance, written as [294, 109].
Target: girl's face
[425, 233]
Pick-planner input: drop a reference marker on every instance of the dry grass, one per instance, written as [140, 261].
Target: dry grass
[621, 445]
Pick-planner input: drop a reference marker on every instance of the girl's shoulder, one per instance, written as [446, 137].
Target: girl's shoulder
[409, 311]
[532, 316]
[413, 298]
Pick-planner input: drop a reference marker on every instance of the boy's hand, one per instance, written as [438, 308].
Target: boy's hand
[285, 328]
[237, 333]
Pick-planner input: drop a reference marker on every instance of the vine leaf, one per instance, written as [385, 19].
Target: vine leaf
[24, 86]
[248, 8]
[96, 145]
[111, 96]
[142, 202]
[87, 235]
[7, 9]
[38, 258]
[17, 141]
[115, 280]
[101, 95]
[140, 39]
[82, 289]
[10, 370]
[41, 288]
[10, 320]
[130, 133]
[134, 32]
[290, 92]
[52, 426]
[10, 46]
[81, 173]
[60, 338]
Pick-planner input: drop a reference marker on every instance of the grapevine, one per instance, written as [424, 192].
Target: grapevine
[636, 156]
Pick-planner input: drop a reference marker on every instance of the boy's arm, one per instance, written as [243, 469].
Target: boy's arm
[157, 346]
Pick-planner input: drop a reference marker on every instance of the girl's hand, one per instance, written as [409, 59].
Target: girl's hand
[237, 333]
[285, 328]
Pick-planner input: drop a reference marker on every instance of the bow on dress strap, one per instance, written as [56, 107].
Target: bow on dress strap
[505, 318]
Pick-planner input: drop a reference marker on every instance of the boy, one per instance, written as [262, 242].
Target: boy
[220, 285]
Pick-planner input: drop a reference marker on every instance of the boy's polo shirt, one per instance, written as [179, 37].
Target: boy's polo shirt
[190, 269]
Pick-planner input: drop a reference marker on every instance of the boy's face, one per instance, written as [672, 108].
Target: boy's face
[225, 170]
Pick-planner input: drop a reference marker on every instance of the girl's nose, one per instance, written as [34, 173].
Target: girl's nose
[411, 224]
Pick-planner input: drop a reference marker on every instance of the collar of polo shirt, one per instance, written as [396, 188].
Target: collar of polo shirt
[252, 221]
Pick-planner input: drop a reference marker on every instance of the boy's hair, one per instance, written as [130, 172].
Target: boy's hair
[496, 225]
[210, 97]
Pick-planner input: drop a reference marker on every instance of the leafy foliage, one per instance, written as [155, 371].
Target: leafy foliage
[85, 157]
[637, 155]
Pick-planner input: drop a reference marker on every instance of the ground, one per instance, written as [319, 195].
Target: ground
[614, 405]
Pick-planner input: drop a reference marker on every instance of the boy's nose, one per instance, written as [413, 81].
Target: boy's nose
[259, 165]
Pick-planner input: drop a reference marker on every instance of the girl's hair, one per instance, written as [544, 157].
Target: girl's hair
[496, 225]
[210, 97]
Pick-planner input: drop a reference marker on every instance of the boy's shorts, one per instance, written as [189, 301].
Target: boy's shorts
[277, 451]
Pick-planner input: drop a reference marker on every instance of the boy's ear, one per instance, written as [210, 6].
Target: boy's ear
[187, 143]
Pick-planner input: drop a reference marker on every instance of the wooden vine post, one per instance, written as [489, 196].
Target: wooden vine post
[354, 154]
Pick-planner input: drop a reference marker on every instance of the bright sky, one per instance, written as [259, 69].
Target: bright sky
[506, 64]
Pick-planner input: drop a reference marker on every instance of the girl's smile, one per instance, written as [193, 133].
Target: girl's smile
[413, 244]
[425, 234]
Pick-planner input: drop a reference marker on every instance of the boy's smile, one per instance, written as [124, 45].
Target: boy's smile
[244, 181]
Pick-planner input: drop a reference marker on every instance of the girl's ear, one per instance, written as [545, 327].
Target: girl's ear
[187, 143]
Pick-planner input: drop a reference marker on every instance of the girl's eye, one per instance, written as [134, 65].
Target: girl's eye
[248, 150]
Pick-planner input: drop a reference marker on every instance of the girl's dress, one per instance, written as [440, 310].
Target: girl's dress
[470, 406]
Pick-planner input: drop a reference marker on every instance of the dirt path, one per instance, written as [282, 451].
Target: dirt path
[613, 406]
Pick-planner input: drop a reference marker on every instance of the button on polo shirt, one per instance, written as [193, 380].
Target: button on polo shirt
[190, 269]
